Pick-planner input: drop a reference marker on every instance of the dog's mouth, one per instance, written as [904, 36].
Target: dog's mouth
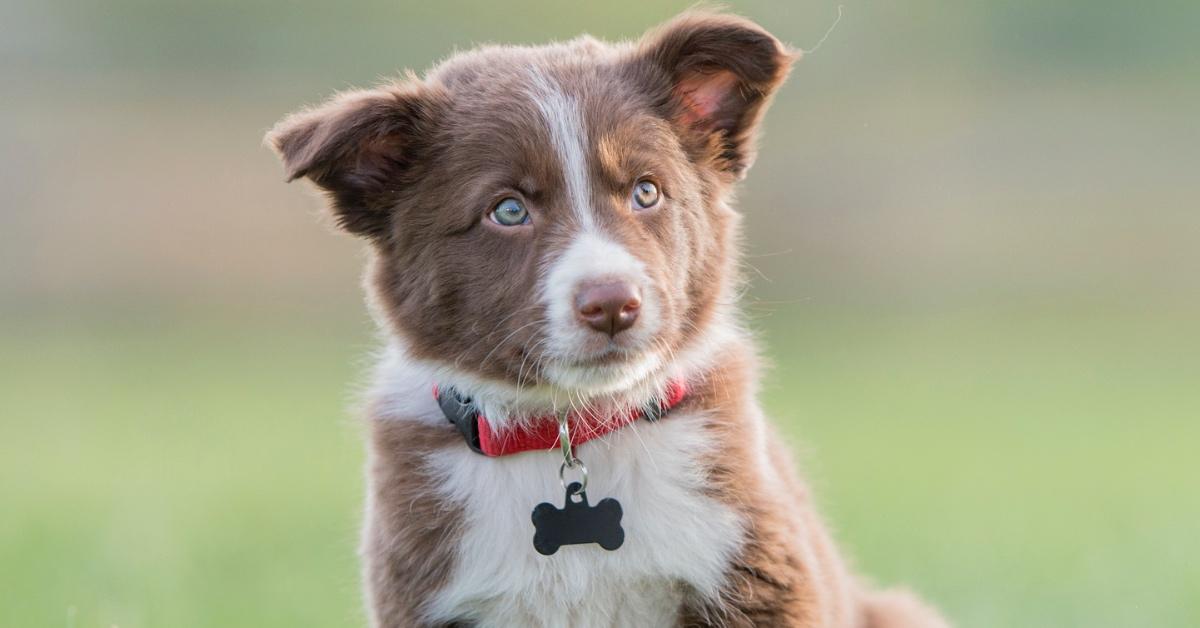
[601, 353]
[599, 364]
[609, 352]
[610, 369]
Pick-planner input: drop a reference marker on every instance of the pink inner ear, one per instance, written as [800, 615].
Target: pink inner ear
[703, 93]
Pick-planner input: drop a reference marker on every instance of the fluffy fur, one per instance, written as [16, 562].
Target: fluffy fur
[719, 529]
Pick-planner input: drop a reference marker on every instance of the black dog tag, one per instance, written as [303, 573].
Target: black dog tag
[577, 523]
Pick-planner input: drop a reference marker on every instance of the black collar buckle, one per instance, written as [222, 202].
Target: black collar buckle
[462, 414]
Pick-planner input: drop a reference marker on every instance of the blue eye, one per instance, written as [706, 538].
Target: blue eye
[510, 213]
[645, 194]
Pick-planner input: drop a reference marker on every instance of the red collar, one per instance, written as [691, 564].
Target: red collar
[542, 433]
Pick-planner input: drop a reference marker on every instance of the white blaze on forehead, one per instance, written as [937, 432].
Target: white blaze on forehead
[565, 123]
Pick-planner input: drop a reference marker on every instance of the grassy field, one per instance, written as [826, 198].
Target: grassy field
[1021, 467]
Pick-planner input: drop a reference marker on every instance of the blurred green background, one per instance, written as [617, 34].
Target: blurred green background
[974, 240]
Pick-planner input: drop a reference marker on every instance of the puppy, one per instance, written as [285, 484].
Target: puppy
[564, 426]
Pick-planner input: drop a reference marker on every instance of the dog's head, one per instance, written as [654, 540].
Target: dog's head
[550, 216]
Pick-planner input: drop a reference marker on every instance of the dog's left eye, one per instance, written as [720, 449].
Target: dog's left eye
[645, 194]
[510, 213]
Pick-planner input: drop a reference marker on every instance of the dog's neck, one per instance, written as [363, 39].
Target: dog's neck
[507, 405]
[403, 383]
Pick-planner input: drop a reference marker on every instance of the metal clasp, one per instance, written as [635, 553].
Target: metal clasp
[569, 459]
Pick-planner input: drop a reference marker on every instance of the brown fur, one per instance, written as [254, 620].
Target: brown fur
[789, 572]
[409, 536]
[414, 166]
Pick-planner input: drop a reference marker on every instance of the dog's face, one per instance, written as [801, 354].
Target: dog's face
[550, 216]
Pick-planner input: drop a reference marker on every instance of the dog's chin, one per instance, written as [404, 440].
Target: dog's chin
[603, 373]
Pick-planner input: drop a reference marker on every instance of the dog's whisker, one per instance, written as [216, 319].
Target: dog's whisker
[514, 332]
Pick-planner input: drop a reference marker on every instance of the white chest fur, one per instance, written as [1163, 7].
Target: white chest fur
[674, 534]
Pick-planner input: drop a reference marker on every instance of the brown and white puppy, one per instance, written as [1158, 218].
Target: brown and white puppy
[549, 230]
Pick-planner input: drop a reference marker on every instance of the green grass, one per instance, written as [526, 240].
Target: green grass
[1031, 467]
[179, 476]
[1027, 468]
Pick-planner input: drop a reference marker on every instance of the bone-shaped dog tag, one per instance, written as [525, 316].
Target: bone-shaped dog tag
[577, 523]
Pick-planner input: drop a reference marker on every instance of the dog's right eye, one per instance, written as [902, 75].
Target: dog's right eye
[645, 194]
[510, 213]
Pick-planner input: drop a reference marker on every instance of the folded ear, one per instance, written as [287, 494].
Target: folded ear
[722, 71]
[359, 147]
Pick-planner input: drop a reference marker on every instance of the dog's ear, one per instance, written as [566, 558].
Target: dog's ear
[359, 147]
[721, 71]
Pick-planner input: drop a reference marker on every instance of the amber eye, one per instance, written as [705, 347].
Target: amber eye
[510, 213]
[645, 194]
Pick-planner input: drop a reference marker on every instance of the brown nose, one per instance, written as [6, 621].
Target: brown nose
[610, 307]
